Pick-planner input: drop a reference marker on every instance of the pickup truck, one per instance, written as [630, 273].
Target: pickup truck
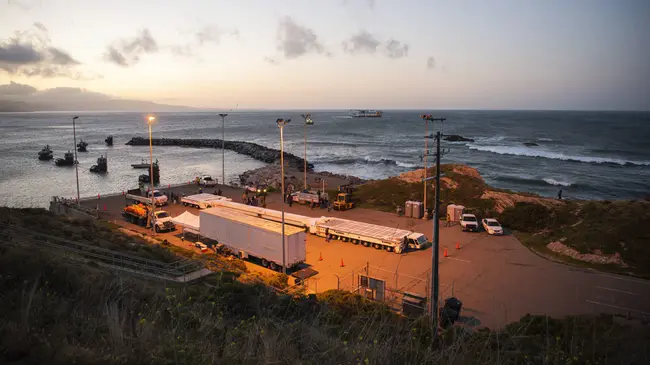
[207, 180]
[468, 222]
[139, 214]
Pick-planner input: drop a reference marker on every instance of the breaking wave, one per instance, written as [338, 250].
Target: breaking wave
[372, 161]
[551, 181]
[522, 151]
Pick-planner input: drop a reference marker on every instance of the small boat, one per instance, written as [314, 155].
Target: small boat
[81, 146]
[102, 165]
[45, 154]
[68, 160]
[141, 165]
[109, 140]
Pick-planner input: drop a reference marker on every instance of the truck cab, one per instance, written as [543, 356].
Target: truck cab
[207, 180]
[417, 241]
[159, 198]
[343, 202]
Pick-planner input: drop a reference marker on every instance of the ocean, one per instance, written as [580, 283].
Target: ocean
[589, 155]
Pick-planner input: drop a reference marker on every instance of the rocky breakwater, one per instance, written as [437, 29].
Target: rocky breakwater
[258, 152]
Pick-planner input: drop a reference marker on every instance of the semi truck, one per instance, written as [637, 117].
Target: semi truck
[366, 234]
[136, 195]
[202, 201]
[252, 237]
[140, 213]
[346, 230]
[307, 197]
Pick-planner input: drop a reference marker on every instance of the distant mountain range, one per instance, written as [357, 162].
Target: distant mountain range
[16, 97]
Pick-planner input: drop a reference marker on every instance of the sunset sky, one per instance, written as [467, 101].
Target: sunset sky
[557, 54]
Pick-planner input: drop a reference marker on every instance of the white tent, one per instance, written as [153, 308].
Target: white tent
[188, 221]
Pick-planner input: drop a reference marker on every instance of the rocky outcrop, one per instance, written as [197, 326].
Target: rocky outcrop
[260, 153]
[271, 176]
[457, 138]
[596, 257]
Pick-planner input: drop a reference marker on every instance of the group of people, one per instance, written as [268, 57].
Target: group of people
[256, 201]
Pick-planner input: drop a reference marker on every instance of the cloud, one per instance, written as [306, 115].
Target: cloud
[431, 63]
[271, 61]
[295, 40]
[184, 50]
[30, 53]
[396, 49]
[369, 3]
[127, 52]
[213, 33]
[14, 88]
[363, 42]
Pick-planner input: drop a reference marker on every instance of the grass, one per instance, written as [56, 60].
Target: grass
[57, 311]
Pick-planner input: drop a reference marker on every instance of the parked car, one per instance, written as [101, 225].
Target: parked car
[207, 180]
[468, 222]
[492, 226]
[201, 246]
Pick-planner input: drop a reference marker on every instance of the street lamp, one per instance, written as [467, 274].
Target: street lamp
[223, 144]
[424, 158]
[308, 121]
[76, 163]
[150, 121]
[281, 123]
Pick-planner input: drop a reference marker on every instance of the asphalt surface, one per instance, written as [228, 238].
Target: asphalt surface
[496, 277]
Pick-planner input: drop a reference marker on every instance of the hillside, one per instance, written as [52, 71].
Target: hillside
[56, 310]
[607, 235]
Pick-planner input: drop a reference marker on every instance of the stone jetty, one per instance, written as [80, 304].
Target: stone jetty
[260, 153]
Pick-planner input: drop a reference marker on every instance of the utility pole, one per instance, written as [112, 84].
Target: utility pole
[281, 123]
[435, 287]
[308, 121]
[150, 120]
[76, 163]
[424, 158]
[223, 153]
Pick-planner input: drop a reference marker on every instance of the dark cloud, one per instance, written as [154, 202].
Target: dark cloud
[127, 52]
[270, 60]
[396, 49]
[14, 88]
[294, 40]
[431, 63]
[30, 53]
[363, 42]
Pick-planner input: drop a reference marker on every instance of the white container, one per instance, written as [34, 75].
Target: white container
[251, 236]
[408, 209]
[458, 212]
[451, 212]
[418, 210]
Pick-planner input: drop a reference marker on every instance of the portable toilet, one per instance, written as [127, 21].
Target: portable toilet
[418, 210]
[451, 211]
[458, 212]
[408, 209]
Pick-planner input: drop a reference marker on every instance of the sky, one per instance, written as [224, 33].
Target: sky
[553, 54]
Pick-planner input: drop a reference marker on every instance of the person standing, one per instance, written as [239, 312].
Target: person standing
[559, 195]
[327, 234]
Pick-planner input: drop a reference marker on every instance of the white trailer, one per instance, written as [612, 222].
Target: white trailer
[366, 234]
[268, 214]
[249, 236]
[202, 201]
[136, 195]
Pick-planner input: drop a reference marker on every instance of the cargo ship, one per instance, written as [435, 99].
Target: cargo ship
[359, 113]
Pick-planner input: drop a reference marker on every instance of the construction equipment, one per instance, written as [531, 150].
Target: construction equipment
[343, 202]
[140, 214]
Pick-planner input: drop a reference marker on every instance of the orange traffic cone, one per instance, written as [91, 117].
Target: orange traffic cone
[169, 186]
[445, 253]
[105, 207]
[98, 197]
[320, 257]
[457, 246]
[122, 192]
[342, 264]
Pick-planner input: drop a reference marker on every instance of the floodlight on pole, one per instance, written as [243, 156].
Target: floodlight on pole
[76, 163]
[150, 120]
[281, 123]
[308, 121]
[223, 146]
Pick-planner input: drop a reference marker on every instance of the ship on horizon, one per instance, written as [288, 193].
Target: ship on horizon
[362, 113]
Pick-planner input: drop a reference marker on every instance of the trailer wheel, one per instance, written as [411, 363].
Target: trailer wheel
[388, 248]
[377, 246]
[345, 239]
[265, 263]
[273, 266]
[157, 229]
[355, 242]
[366, 244]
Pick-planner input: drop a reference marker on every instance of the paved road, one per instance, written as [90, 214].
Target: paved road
[498, 279]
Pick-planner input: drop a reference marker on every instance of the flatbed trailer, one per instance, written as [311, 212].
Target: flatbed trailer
[296, 220]
[367, 234]
[202, 201]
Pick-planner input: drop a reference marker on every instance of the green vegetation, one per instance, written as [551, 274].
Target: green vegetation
[589, 227]
[58, 311]
[388, 194]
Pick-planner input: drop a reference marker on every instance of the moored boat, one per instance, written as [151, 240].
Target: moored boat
[361, 113]
[102, 165]
[109, 140]
[45, 154]
[81, 146]
[68, 160]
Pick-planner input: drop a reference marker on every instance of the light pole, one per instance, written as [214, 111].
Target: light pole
[223, 144]
[435, 257]
[150, 120]
[308, 121]
[424, 158]
[281, 123]
[76, 163]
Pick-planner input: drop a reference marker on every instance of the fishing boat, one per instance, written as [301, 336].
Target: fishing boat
[45, 154]
[102, 165]
[81, 146]
[109, 140]
[68, 160]
[360, 113]
[141, 165]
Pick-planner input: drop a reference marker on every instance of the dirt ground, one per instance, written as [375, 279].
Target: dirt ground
[497, 279]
